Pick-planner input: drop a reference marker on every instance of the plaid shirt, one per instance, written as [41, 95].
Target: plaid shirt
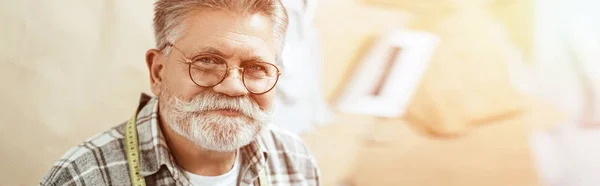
[101, 160]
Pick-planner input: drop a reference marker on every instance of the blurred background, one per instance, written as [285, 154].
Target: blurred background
[508, 95]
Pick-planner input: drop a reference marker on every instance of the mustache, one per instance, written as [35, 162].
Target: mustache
[209, 101]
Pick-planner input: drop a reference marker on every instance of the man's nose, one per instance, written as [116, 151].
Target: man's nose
[232, 85]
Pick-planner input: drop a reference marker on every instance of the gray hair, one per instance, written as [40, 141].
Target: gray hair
[169, 16]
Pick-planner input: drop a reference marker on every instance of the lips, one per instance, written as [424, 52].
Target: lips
[228, 112]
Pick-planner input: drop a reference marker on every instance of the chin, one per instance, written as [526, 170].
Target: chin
[223, 145]
[224, 136]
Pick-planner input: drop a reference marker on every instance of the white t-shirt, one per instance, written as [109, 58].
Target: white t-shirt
[227, 179]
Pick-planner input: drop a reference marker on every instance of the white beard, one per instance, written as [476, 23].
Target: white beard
[210, 130]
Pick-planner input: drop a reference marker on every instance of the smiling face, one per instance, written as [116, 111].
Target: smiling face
[226, 116]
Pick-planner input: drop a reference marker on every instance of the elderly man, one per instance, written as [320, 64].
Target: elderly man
[213, 75]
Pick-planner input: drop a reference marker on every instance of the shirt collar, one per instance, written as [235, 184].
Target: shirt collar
[155, 153]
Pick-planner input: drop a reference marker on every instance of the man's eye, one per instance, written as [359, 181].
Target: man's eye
[255, 68]
[207, 60]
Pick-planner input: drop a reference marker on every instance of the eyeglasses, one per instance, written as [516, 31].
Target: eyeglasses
[208, 70]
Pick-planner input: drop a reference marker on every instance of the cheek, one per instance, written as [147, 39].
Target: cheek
[265, 100]
[179, 83]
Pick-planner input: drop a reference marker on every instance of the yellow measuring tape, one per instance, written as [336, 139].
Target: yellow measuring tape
[132, 150]
[262, 176]
[133, 156]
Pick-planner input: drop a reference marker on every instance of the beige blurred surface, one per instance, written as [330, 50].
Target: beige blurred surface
[72, 69]
[494, 154]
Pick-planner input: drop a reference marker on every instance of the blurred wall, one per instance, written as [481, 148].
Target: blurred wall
[68, 70]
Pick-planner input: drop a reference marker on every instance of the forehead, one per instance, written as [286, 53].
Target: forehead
[233, 34]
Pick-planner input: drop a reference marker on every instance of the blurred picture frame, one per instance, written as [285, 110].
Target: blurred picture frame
[389, 74]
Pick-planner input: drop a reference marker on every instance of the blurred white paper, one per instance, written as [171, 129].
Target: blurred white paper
[566, 52]
[388, 76]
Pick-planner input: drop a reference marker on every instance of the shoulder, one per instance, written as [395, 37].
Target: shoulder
[91, 162]
[287, 151]
[282, 141]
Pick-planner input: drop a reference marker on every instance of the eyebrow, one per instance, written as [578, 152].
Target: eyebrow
[215, 51]
[211, 50]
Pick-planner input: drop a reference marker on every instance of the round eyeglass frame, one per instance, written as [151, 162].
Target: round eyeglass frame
[190, 62]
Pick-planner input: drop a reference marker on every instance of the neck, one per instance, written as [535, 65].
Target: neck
[195, 159]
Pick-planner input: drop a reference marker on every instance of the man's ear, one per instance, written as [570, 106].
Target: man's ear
[155, 63]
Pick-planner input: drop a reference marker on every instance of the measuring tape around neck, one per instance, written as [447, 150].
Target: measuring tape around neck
[133, 156]
[133, 152]
[262, 176]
